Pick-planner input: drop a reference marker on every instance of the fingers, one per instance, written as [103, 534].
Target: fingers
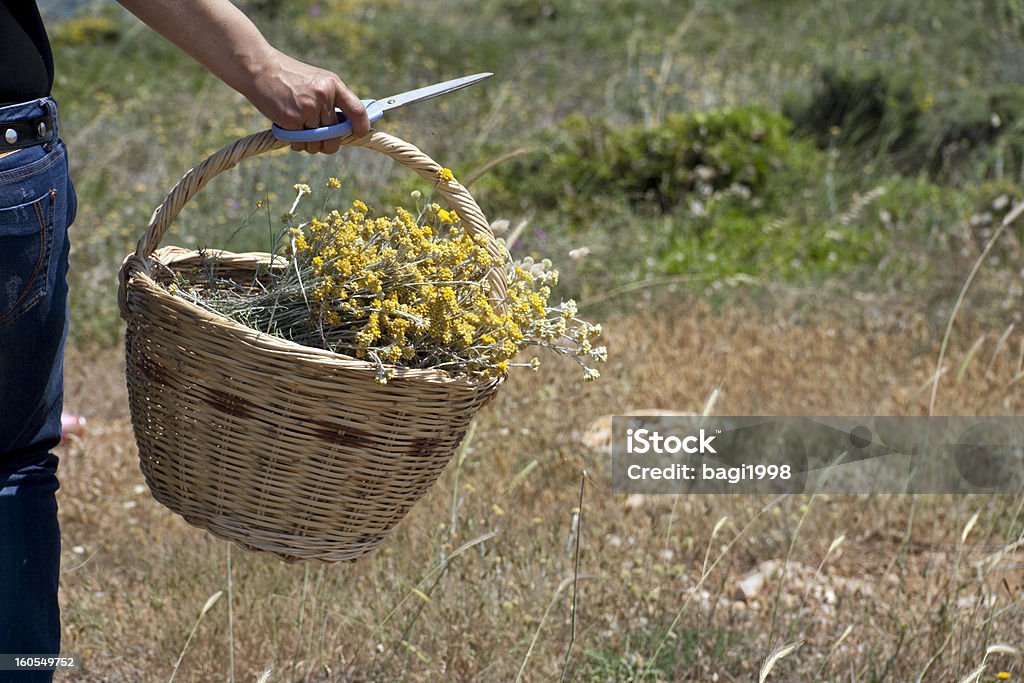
[347, 101]
[328, 117]
[318, 115]
[335, 94]
[310, 103]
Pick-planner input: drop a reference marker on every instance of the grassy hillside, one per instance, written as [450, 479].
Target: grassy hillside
[849, 145]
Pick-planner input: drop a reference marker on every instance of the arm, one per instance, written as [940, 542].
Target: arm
[220, 37]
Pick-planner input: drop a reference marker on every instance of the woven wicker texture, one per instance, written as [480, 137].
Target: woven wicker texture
[278, 447]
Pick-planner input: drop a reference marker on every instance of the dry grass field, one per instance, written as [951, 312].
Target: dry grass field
[479, 582]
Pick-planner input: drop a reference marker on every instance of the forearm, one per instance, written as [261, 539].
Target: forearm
[213, 32]
[290, 93]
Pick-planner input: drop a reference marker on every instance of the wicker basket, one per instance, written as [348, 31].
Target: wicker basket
[278, 447]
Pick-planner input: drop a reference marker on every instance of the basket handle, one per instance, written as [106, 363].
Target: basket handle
[406, 154]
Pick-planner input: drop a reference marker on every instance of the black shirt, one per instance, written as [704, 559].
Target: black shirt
[26, 63]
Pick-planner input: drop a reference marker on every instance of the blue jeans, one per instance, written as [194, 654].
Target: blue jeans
[37, 204]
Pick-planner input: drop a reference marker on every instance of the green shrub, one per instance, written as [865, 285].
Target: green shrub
[529, 12]
[871, 110]
[722, 195]
[690, 158]
[980, 136]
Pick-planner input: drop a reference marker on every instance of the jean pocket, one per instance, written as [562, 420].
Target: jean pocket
[26, 235]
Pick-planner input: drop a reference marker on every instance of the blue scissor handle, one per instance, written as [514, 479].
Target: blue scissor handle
[339, 130]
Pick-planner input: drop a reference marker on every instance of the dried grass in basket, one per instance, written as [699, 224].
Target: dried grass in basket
[281, 448]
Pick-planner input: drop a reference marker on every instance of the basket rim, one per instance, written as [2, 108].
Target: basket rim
[400, 151]
[267, 342]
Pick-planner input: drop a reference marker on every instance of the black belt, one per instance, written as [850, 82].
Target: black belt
[29, 132]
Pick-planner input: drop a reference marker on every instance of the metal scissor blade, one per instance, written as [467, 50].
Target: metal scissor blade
[375, 109]
[430, 91]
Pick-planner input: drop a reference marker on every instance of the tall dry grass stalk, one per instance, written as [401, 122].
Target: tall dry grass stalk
[210, 602]
[578, 532]
[1007, 221]
[774, 658]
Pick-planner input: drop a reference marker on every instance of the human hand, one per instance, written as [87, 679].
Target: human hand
[296, 95]
[290, 93]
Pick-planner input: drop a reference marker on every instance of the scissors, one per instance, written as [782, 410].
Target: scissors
[375, 109]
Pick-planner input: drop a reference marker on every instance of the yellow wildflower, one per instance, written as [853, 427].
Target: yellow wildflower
[414, 291]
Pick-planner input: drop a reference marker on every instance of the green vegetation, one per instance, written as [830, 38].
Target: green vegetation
[597, 666]
[588, 165]
[722, 143]
[718, 185]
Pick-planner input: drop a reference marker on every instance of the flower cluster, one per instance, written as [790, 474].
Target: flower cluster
[411, 291]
